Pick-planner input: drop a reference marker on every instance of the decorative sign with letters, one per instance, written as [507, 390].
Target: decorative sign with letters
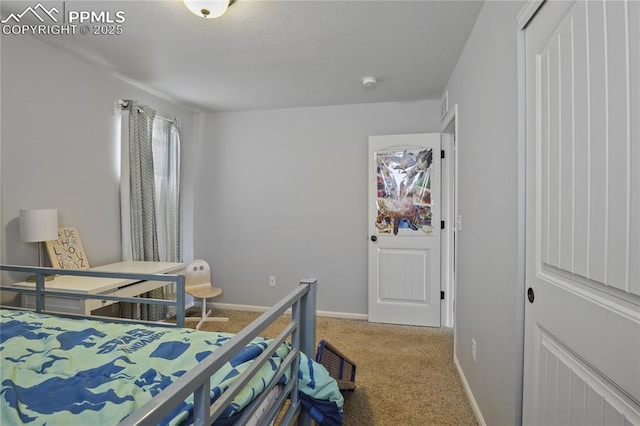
[67, 251]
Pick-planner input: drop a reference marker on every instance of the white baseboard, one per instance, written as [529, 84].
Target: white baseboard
[343, 315]
[253, 308]
[467, 389]
[235, 307]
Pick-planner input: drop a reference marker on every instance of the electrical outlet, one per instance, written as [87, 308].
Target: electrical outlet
[272, 280]
[473, 349]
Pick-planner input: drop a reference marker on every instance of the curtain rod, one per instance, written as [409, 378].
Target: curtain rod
[126, 104]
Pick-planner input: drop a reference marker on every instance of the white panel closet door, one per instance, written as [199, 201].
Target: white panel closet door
[582, 320]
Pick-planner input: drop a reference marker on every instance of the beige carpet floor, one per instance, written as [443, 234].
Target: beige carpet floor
[404, 375]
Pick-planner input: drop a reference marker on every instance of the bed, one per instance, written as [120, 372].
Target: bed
[108, 371]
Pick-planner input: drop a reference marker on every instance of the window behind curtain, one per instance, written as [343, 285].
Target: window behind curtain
[161, 169]
[166, 170]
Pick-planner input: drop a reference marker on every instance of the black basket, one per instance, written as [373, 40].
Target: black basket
[342, 369]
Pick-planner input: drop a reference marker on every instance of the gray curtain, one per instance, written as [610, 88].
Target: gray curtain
[144, 238]
[154, 188]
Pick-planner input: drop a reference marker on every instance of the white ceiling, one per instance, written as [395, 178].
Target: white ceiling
[277, 53]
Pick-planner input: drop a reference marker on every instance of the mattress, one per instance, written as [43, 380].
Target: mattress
[68, 371]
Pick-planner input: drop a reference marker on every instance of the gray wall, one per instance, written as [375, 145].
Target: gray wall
[284, 192]
[489, 293]
[59, 147]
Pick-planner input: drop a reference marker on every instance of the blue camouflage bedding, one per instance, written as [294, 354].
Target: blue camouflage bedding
[60, 371]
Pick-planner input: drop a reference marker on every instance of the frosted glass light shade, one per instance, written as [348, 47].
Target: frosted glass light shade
[207, 9]
[37, 225]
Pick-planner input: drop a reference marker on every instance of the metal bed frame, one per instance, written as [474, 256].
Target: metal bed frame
[300, 330]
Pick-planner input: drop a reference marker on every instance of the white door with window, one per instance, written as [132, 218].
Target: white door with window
[404, 229]
[582, 316]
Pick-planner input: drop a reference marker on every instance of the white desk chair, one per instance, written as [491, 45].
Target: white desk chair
[198, 284]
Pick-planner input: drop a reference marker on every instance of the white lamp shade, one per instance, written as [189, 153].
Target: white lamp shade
[207, 9]
[37, 225]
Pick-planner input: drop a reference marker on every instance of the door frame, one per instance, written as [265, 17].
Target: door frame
[449, 191]
[524, 17]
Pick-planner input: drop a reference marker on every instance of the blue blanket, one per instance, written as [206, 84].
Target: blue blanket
[59, 371]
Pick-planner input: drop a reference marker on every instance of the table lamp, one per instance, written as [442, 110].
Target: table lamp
[38, 226]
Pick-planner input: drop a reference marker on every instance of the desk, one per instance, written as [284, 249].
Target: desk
[107, 286]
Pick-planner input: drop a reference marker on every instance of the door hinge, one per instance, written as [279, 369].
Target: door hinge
[442, 153]
[442, 224]
[442, 295]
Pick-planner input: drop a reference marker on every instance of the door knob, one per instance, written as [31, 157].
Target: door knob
[530, 295]
[374, 238]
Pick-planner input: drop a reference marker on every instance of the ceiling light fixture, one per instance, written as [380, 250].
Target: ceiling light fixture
[208, 9]
[369, 82]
